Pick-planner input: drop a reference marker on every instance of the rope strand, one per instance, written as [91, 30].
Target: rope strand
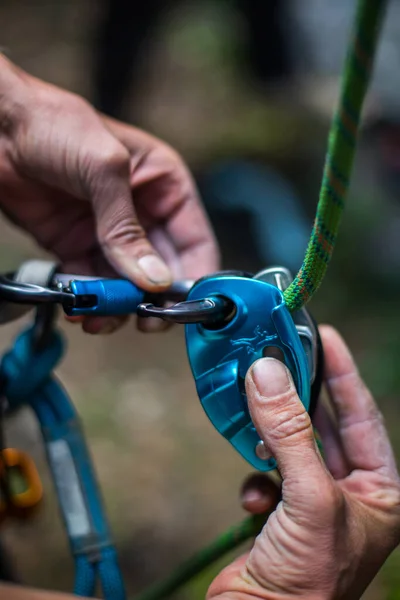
[227, 541]
[341, 152]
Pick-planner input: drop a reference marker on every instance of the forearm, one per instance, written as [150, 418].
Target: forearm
[12, 592]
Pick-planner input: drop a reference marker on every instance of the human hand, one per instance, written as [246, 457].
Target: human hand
[16, 592]
[104, 197]
[337, 522]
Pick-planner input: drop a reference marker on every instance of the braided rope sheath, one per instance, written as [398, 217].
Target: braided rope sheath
[341, 151]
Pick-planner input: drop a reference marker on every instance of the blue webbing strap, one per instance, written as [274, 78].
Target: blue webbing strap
[28, 381]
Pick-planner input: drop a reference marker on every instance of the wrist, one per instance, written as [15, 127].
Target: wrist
[13, 82]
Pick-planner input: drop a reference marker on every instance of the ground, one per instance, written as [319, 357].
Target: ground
[170, 482]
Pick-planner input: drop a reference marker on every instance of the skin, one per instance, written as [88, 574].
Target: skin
[104, 197]
[338, 521]
[12, 592]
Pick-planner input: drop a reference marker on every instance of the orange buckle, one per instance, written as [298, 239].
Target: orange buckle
[21, 479]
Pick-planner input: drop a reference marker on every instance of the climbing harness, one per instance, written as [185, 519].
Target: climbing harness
[231, 319]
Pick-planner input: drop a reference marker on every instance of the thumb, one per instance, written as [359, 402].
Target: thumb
[286, 430]
[122, 237]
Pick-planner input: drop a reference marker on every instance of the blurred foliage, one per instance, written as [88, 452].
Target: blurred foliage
[391, 577]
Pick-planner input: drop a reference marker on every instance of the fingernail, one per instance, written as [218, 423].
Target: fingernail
[155, 269]
[251, 496]
[271, 377]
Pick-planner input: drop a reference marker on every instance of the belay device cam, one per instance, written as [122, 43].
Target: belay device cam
[260, 325]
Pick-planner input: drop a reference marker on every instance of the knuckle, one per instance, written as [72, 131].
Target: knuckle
[124, 232]
[74, 103]
[56, 101]
[388, 494]
[325, 500]
[8, 118]
[328, 508]
[373, 418]
[292, 425]
[169, 155]
[101, 160]
[395, 497]
[109, 158]
[329, 499]
[170, 162]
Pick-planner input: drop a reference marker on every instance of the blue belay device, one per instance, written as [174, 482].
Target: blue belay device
[220, 357]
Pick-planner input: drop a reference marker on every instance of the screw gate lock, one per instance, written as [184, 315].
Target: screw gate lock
[104, 297]
[220, 357]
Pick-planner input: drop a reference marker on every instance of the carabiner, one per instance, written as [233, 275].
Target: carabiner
[106, 297]
[29, 293]
[17, 466]
[37, 283]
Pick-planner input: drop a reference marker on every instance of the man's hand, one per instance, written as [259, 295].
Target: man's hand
[333, 529]
[104, 197]
[14, 592]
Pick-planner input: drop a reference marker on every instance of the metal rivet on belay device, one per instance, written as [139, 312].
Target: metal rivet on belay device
[262, 451]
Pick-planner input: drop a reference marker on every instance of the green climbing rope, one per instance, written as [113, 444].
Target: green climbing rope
[335, 182]
[341, 151]
[229, 540]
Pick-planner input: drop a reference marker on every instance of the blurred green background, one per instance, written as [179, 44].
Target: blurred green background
[170, 482]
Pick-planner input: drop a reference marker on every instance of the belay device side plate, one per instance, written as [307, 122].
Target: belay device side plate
[220, 358]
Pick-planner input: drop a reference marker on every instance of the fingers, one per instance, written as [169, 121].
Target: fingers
[230, 582]
[98, 325]
[285, 428]
[191, 233]
[165, 197]
[259, 494]
[165, 188]
[181, 211]
[86, 160]
[152, 325]
[120, 234]
[103, 325]
[334, 455]
[360, 424]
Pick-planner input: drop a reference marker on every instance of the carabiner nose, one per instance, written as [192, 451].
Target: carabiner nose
[212, 312]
